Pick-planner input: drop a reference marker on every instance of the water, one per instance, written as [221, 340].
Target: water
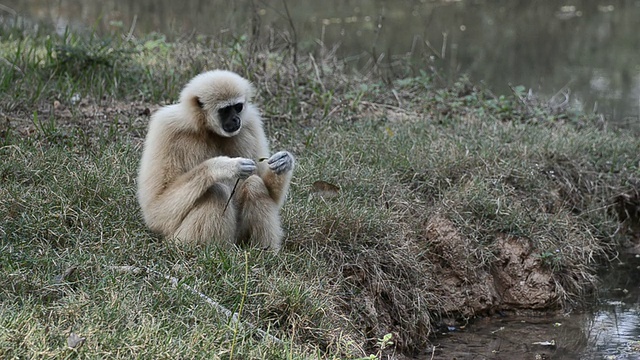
[587, 49]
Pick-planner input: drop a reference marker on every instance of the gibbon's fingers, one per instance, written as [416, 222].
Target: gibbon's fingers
[281, 162]
[246, 167]
[223, 167]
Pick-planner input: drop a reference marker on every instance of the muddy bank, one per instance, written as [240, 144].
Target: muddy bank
[627, 207]
[515, 306]
[608, 330]
[516, 279]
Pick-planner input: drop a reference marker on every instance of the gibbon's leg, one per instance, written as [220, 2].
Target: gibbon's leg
[259, 221]
[207, 221]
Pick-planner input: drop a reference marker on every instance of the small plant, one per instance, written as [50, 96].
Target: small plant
[551, 259]
[382, 344]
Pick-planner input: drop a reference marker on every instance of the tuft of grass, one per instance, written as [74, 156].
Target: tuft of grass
[357, 267]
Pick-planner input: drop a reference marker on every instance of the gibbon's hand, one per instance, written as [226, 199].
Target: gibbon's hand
[246, 167]
[281, 162]
[226, 167]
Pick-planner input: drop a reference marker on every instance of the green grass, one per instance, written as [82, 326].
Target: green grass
[355, 267]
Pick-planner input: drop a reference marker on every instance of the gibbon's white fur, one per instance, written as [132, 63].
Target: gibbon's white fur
[194, 153]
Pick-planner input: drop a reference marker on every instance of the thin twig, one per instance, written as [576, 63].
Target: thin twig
[395, 94]
[12, 65]
[132, 28]
[230, 196]
[565, 91]
[234, 318]
[293, 33]
[317, 72]
[8, 10]
[433, 50]
[386, 106]
[244, 297]
[443, 52]
[126, 269]
[524, 102]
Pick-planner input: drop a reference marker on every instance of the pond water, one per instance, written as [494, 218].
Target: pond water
[588, 49]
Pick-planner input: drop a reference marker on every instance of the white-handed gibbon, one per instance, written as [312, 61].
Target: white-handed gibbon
[197, 151]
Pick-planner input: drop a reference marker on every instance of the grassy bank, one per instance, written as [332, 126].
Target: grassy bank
[425, 190]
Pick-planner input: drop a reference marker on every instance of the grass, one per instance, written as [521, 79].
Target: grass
[358, 270]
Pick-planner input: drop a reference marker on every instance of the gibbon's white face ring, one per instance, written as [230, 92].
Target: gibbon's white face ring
[227, 134]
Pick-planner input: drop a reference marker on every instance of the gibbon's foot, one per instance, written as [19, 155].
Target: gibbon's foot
[281, 162]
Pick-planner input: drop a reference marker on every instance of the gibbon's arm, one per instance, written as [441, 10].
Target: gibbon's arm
[278, 177]
[275, 170]
[173, 202]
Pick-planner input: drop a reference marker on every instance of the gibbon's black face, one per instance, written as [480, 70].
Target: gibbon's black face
[230, 117]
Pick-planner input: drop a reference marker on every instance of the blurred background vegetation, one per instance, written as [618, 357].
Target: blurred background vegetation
[584, 52]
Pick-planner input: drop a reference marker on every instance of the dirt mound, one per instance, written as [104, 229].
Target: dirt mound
[516, 279]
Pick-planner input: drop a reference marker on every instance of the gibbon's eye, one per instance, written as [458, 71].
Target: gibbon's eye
[238, 107]
[200, 104]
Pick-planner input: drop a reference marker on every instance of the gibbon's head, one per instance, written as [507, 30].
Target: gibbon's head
[218, 98]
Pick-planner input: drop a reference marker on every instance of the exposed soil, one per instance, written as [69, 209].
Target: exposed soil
[516, 280]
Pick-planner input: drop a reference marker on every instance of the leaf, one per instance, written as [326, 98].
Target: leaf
[75, 341]
[545, 343]
[125, 269]
[59, 279]
[325, 189]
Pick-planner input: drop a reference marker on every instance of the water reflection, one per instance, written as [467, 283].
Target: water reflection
[589, 47]
[615, 327]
